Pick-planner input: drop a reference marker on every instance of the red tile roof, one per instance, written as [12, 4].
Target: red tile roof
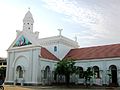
[97, 52]
[48, 55]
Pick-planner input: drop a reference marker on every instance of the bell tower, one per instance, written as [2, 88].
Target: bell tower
[28, 21]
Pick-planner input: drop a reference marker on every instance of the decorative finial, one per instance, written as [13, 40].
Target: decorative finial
[28, 8]
[75, 38]
[60, 30]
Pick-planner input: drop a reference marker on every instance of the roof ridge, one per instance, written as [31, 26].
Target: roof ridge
[96, 46]
[98, 52]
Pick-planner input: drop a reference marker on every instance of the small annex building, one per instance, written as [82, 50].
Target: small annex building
[31, 61]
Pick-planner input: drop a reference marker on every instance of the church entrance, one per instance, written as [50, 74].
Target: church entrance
[113, 70]
[19, 75]
[19, 72]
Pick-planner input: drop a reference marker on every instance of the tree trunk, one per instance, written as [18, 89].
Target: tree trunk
[67, 79]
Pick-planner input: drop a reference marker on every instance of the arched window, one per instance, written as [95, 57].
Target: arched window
[80, 71]
[55, 48]
[19, 72]
[113, 74]
[96, 72]
[47, 72]
[113, 67]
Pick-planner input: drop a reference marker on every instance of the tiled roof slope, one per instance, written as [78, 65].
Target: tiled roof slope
[97, 52]
[48, 55]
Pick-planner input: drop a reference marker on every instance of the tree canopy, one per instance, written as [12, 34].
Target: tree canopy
[88, 74]
[65, 67]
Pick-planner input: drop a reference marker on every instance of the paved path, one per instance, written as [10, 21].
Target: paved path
[51, 88]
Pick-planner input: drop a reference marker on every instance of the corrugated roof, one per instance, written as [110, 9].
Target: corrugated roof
[97, 52]
[48, 55]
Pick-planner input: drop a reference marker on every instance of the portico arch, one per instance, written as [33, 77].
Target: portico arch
[17, 58]
[21, 71]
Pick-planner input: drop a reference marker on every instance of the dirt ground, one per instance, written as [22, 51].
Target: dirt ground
[16, 88]
[11, 87]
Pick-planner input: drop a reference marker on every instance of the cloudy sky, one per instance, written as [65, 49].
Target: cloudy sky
[93, 22]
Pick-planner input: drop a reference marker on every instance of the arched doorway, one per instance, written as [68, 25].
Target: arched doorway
[47, 75]
[19, 75]
[19, 71]
[113, 71]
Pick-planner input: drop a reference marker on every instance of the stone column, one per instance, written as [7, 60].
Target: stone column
[42, 77]
[101, 77]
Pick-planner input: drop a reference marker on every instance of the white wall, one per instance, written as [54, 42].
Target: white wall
[62, 50]
[103, 65]
[28, 58]
[43, 64]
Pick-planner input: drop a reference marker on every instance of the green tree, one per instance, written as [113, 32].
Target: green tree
[65, 67]
[88, 74]
[2, 72]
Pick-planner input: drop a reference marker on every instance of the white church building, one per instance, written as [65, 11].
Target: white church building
[31, 61]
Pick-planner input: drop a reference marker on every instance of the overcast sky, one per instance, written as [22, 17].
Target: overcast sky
[94, 22]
